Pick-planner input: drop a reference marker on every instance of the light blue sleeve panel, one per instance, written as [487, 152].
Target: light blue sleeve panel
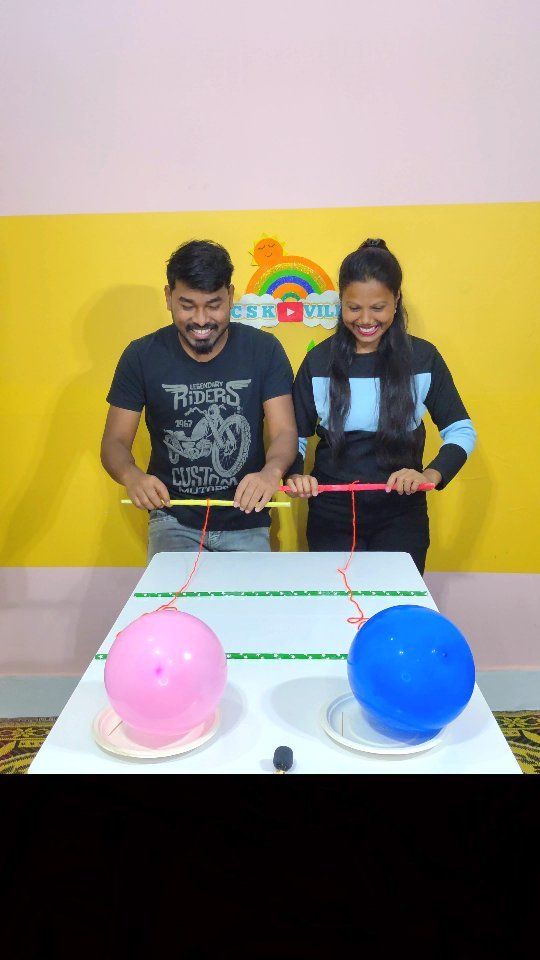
[321, 387]
[364, 410]
[422, 383]
[462, 433]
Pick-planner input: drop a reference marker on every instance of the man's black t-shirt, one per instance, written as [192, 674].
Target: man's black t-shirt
[205, 419]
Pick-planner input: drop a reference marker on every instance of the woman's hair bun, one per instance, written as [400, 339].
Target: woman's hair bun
[374, 243]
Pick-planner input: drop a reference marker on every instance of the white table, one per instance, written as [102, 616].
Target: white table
[271, 702]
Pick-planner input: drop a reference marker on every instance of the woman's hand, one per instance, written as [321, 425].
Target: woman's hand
[407, 480]
[302, 486]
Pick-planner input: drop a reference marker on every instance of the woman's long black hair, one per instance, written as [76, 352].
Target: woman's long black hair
[395, 442]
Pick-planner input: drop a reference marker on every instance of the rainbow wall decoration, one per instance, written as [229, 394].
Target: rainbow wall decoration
[286, 289]
[285, 278]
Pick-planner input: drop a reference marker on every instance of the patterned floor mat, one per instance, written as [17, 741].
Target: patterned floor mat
[21, 738]
[521, 729]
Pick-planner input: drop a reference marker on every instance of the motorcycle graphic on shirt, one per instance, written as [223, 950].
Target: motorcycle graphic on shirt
[210, 429]
[226, 441]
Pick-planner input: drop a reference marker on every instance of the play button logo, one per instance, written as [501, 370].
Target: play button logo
[290, 311]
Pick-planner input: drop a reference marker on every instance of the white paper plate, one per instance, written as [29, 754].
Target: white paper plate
[345, 722]
[115, 736]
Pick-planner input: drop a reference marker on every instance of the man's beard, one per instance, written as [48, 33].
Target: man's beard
[203, 346]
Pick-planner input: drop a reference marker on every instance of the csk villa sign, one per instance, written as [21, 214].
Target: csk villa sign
[283, 311]
[286, 289]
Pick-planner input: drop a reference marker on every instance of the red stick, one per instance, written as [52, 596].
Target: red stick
[348, 487]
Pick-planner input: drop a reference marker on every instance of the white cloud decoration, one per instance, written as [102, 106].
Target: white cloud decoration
[319, 309]
[256, 311]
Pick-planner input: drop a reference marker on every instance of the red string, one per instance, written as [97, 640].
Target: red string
[189, 579]
[357, 621]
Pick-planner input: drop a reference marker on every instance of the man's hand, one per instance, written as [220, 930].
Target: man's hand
[256, 489]
[407, 480]
[302, 485]
[146, 492]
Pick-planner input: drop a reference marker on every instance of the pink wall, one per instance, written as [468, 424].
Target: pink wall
[57, 617]
[133, 106]
[169, 105]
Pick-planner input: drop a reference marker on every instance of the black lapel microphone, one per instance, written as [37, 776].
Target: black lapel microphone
[283, 759]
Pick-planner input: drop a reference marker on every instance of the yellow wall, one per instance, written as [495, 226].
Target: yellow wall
[76, 289]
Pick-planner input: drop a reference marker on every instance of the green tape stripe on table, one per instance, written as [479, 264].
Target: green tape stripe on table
[284, 593]
[270, 656]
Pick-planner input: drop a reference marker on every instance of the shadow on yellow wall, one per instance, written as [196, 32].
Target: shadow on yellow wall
[455, 534]
[70, 443]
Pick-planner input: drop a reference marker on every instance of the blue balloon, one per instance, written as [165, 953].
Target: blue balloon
[411, 669]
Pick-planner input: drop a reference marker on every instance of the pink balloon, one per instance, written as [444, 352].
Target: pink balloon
[165, 672]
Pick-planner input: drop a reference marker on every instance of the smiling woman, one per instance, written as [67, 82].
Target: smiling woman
[364, 393]
[370, 281]
[368, 311]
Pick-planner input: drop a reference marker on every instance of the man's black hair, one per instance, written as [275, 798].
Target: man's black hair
[201, 265]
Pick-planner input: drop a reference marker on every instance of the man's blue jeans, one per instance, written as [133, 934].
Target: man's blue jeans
[165, 534]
